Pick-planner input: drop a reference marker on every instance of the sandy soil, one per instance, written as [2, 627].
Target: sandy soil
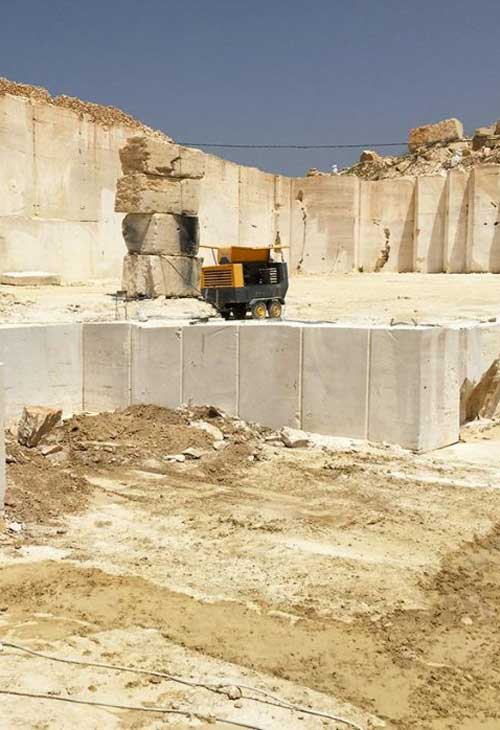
[366, 298]
[352, 578]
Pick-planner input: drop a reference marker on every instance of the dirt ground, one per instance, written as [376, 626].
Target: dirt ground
[364, 298]
[347, 578]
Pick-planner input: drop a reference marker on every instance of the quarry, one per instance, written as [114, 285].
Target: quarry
[270, 524]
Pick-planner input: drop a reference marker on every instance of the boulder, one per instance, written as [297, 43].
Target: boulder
[35, 423]
[161, 234]
[155, 276]
[444, 131]
[294, 438]
[481, 137]
[139, 193]
[152, 156]
[497, 127]
[30, 278]
[370, 156]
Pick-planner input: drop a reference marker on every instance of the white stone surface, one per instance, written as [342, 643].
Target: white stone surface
[387, 216]
[456, 223]
[430, 212]
[16, 156]
[414, 387]
[2, 440]
[335, 380]
[42, 366]
[325, 223]
[106, 365]
[210, 366]
[64, 165]
[483, 243]
[156, 365]
[270, 374]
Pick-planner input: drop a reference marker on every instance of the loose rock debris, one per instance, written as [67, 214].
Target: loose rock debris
[354, 572]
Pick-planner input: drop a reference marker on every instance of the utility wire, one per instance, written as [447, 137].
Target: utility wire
[138, 708]
[293, 146]
[216, 688]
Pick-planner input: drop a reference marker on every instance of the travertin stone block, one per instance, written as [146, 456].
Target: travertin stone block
[156, 365]
[16, 156]
[42, 366]
[161, 234]
[325, 223]
[386, 225]
[156, 276]
[270, 374]
[456, 222]
[335, 380]
[444, 131]
[2, 441]
[210, 366]
[139, 193]
[156, 157]
[483, 241]
[106, 365]
[430, 212]
[414, 387]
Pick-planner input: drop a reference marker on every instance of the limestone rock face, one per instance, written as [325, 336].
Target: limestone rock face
[139, 193]
[35, 423]
[155, 157]
[155, 276]
[161, 234]
[443, 131]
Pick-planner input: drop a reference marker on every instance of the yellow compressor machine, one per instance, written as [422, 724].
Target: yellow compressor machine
[245, 280]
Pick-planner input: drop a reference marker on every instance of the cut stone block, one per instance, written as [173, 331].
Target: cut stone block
[210, 356]
[30, 278]
[155, 157]
[42, 365]
[335, 380]
[139, 193]
[270, 374]
[443, 131]
[156, 365]
[483, 241]
[386, 225]
[414, 387]
[161, 234]
[35, 423]
[2, 442]
[155, 276]
[430, 223]
[106, 365]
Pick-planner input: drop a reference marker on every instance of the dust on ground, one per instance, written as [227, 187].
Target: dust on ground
[358, 578]
[371, 298]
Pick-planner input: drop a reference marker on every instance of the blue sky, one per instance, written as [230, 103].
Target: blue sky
[275, 72]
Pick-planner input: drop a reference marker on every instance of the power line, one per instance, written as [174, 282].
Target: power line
[294, 146]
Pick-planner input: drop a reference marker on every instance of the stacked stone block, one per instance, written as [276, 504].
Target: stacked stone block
[160, 193]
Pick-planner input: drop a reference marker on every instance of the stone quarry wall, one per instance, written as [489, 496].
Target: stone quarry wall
[58, 174]
[397, 384]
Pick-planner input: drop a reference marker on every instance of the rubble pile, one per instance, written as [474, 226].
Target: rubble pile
[432, 149]
[105, 116]
[160, 193]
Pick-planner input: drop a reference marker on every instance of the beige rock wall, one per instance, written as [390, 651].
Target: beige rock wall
[58, 174]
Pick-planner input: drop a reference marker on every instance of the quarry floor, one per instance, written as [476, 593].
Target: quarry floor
[362, 298]
[355, 579]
